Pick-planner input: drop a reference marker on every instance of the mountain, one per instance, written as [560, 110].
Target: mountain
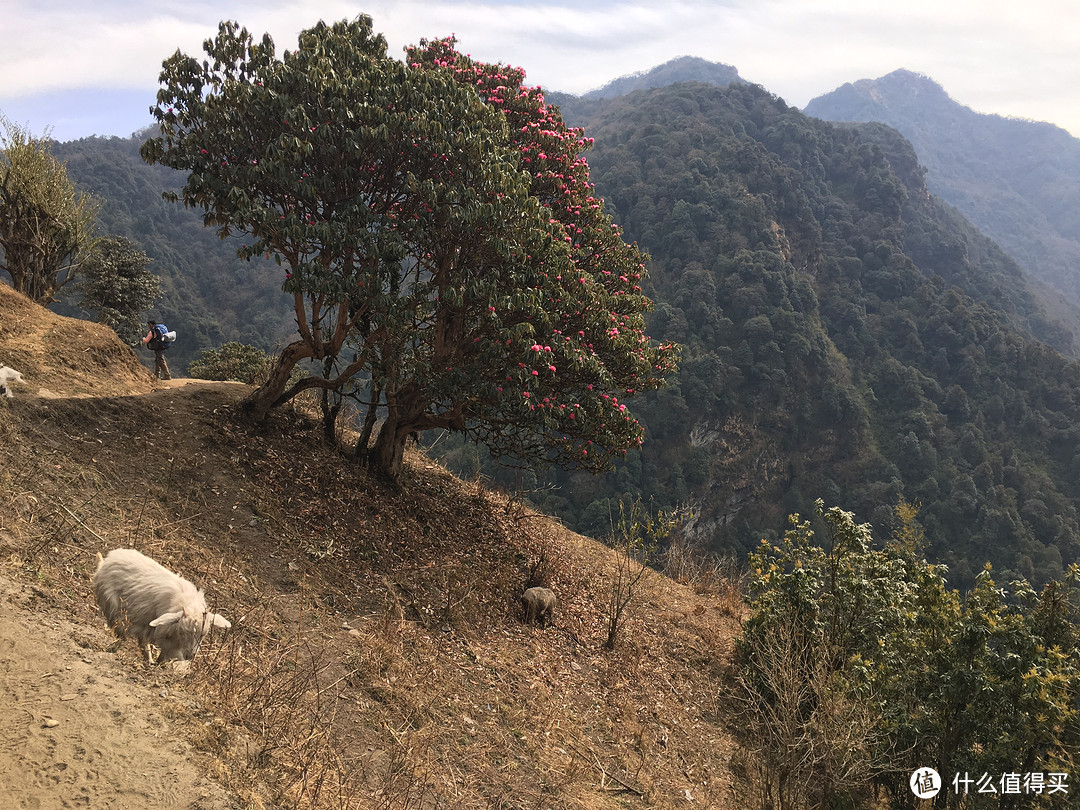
[682, 69]
[847, 336]
[1017, 180]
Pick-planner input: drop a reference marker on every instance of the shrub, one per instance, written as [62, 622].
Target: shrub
[231, 361]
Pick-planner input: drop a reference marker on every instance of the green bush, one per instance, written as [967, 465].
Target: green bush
[231, 361]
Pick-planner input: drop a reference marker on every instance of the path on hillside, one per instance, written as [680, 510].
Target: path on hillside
[80, 728]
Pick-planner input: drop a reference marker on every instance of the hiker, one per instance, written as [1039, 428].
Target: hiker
[155, 339]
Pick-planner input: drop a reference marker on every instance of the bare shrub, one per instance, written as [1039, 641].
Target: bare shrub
[807, 735]
[635, 538]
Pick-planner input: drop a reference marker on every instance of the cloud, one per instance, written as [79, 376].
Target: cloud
[1010, 58]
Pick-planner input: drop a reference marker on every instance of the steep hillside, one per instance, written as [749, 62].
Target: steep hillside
[1018, 181]
[847, 337]
[208, 295]
[377, 656]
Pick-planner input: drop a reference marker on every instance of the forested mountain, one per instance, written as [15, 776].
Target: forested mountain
[682, 69]
[676, 71]
[847, 335]
[209, 296]
[1017, 180]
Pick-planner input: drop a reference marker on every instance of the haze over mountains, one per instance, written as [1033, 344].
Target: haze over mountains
[1018, 181]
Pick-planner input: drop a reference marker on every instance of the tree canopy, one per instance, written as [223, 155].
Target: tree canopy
[117, 286]
[859, 666]
[46, 227]
[417, 245]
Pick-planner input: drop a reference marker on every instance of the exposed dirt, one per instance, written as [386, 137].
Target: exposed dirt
[79, 727]
[377, 656]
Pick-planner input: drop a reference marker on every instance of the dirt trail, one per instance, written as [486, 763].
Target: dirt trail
[80, 727]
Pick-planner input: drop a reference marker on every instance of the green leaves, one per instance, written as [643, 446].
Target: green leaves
[404, 209]
[46, 227]
[985, 683]
[118, 287]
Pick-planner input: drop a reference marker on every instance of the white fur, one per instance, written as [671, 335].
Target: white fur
[143, 599]
[8, 375]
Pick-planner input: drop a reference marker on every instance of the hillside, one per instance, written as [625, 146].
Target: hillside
[376, 658]
[847, 336]
[208, 295]
[1017, 180]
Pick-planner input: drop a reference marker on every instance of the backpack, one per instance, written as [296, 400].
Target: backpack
[163, 339]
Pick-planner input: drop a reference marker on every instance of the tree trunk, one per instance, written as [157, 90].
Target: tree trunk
[330, 414]
[329, 410]
[361, 449]
[259, 402]
[404, 415]
[388, 452]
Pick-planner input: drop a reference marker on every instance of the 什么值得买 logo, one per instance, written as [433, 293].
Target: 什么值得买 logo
[925, 783]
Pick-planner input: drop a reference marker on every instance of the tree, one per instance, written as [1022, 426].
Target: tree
[231, 361]
[46, 227]
[598, 333]
[859, 666]
[117, 286]
[814, 712]
[412, 242]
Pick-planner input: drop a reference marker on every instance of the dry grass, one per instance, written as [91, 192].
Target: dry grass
[377, 658]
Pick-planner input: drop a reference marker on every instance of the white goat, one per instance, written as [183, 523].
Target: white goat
[143, 599]
[8, 375]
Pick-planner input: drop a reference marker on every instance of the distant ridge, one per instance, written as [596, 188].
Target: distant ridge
[681, 69]
[1017, 180]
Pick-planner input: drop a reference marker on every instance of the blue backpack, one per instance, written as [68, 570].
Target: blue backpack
[162, 339]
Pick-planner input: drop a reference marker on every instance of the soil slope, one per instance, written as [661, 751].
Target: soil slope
[377, 656]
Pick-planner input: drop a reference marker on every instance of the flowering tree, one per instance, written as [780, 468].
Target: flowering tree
[597, 338]
[413, 242]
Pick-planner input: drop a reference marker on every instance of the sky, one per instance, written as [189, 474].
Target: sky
[72, 69]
